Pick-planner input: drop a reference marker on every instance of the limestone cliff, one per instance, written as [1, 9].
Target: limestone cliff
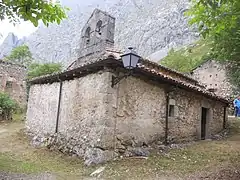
[152, 26]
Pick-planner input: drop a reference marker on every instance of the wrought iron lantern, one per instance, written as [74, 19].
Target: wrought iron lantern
[130, 61]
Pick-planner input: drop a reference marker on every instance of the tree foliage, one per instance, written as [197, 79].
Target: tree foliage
[32, 10]
[7, 106]
[20, 55]
[220, 20]
[36, 70]
[23, 56]
[189, 57]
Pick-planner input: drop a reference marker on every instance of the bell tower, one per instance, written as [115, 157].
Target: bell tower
[97, 34]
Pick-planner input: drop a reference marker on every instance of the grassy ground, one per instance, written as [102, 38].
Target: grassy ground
[16, 155]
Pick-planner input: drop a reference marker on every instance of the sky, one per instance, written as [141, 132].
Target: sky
[22, 29]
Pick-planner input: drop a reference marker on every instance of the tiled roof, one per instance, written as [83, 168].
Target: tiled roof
[183, 84]
[117, 55]
[142, 68]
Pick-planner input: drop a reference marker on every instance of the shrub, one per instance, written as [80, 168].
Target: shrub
[36, 70]
[7, 107]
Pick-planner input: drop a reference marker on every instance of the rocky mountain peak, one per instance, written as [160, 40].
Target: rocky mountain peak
[151, 26]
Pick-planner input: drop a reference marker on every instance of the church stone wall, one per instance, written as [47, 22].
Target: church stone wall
[96, 121]
[42, 108]
[84, 113]
[185, 125]
[139, 114]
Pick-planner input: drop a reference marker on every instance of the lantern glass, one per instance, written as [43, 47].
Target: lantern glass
[130, 60]
[134, 61]
[126, 61]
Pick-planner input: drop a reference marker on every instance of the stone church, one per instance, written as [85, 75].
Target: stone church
[80, 112]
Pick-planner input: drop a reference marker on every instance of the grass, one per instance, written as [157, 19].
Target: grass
[19, 156]
[18, 116]
[16, 155]
[9, 162]
[188, 58]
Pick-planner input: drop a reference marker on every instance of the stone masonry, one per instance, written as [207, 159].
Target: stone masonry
[96, 36]
[12, 81]
[214, 76]
[80, 112]
[98, 122]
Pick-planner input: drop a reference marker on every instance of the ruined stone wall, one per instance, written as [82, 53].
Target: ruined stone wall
[12, 81]
[42, 109]
[213, 75]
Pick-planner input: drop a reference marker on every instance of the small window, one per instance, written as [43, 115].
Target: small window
[216, 75]
[171, 111]
[210, 75]
[215, 84]
[9, 84]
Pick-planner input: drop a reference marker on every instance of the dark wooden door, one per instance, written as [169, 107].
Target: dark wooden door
[203, 123]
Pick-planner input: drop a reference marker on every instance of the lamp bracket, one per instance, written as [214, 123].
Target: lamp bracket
[117, 79]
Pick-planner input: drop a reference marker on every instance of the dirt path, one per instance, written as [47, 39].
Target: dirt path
[14, 176]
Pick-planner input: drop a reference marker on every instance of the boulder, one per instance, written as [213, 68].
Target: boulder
[138, 151]
[94, 156]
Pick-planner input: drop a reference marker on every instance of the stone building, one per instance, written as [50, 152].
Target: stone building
[12, 81]
[214, 77]
[80, 112]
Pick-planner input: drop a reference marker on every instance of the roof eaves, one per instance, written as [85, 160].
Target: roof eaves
[184, 85]
[170, 70]
[111, 61]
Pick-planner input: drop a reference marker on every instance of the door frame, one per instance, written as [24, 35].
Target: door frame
[204, 104]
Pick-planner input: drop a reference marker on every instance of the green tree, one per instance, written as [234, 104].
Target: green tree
[7, 106]
[36, 70]
[20, 55]
[219, 20]
[32, 10]
[189, 57]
